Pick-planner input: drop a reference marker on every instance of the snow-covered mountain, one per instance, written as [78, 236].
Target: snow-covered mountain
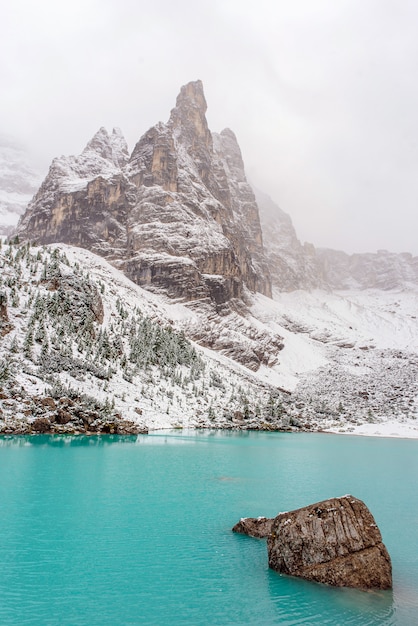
[194, 257]
[179, 217]
[178, 214]
[18, 183]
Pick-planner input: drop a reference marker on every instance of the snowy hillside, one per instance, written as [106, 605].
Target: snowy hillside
[18, 183]
[76, 333]
[351, 357]
[82, 345]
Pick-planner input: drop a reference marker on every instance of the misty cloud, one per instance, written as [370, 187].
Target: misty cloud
[322, 96]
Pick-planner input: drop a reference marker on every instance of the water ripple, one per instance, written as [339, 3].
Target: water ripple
[125, 533]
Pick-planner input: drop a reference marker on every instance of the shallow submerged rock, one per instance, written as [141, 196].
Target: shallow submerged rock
[335, 541]
[258, 527]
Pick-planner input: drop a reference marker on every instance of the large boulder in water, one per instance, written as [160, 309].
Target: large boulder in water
[335, 541]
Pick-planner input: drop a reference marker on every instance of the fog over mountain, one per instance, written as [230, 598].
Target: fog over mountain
[320, 95]
[18, 183]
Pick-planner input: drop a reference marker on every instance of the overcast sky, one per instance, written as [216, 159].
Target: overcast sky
[322, 95]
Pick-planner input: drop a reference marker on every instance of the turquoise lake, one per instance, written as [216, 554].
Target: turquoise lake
[137, 530]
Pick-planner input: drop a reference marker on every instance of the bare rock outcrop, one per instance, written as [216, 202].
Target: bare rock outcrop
[335, 541]
[74, 416]
[259, 527]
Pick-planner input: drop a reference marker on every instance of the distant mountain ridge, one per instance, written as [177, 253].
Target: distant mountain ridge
[296, 266]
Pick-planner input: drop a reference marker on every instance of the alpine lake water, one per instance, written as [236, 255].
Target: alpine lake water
[137, 530]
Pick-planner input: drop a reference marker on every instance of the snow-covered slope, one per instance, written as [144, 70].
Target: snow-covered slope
[18, 183]
[74, 327]
[352, 355]
[80, 343]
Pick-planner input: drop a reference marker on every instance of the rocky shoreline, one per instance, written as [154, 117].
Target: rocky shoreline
[113, 426]
[43, 426]
[83, 415]
[47, 415]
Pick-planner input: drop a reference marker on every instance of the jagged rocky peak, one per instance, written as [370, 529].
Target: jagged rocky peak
[190, 127]
[155, 158]
[81, 199]
[207, 218]
[178, 216]
[110, 147]
[189, 114]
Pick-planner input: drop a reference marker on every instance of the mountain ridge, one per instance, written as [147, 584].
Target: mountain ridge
[294, 265]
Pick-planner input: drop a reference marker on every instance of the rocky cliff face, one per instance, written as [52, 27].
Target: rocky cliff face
[82, 198]
[177, 214]
[292, 265]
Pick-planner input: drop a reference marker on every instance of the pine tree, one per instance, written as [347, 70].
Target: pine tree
[28, 343]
